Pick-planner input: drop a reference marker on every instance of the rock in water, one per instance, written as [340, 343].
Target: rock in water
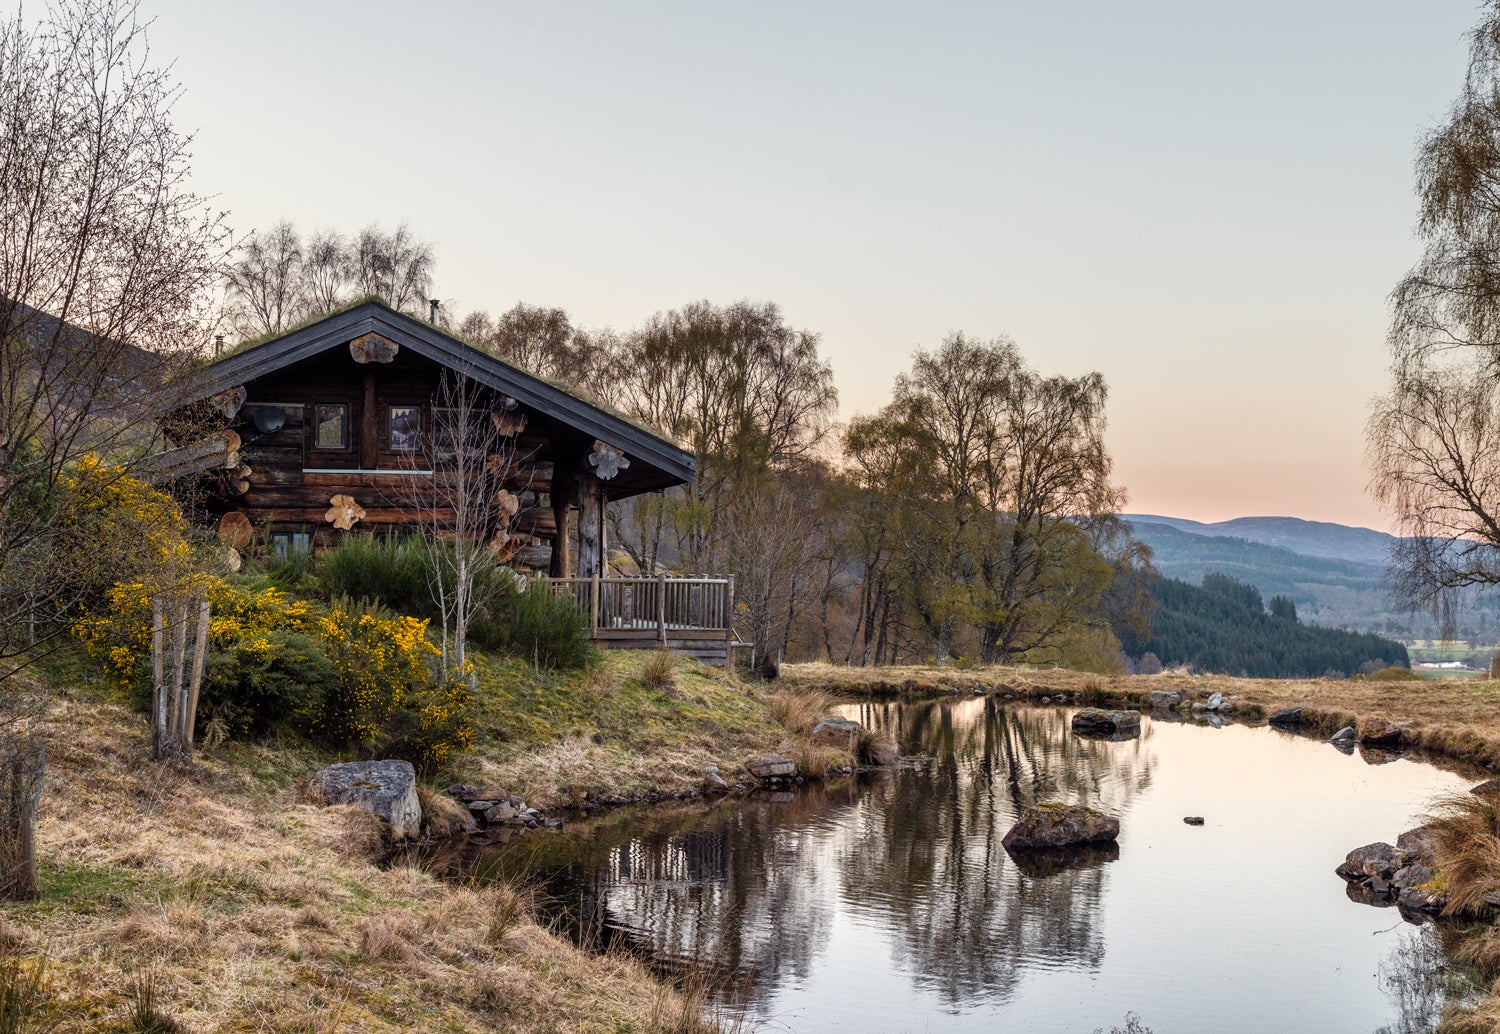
[771, 766]
[1215, 701]
[1288, 716]
[1344, 735]
[838, 733]
[1490, 787]
[1096, 720]
[386, 789]
[1165, 699]
[1373, 861]
[1193, 820]
[1375, 731]
[1060, 825]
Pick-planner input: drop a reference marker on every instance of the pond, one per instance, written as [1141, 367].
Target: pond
[887, 903]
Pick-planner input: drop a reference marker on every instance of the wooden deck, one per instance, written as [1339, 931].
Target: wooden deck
[689, 616]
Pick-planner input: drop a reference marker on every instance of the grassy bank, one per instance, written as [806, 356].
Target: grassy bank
[1457, 718]
[214, 897]
[630, 725]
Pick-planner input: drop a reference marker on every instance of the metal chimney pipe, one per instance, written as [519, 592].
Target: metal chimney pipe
[432, 310]
[218, 344]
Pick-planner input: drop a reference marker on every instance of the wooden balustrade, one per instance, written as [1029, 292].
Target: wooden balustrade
[691, 616]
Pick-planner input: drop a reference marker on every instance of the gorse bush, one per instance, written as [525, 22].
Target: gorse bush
[381, 660]
[356, 675]
[274, 680]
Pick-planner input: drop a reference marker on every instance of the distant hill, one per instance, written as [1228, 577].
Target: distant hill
[1222, 626]
[1308, 538]
[1334, 592]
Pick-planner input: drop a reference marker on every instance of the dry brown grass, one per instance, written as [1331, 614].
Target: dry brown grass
[442, 816]
[659, 671]
[252, 911]
[1456, 717]
[799, 709]
[1468, 827]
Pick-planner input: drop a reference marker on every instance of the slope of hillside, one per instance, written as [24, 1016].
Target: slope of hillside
[1308, 538]
[1342, 591]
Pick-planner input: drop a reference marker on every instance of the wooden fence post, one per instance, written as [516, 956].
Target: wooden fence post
[661, 608]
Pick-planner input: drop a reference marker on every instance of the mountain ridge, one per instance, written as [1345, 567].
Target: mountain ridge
[1308, 538]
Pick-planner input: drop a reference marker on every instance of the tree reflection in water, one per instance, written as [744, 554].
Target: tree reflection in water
[750, 889]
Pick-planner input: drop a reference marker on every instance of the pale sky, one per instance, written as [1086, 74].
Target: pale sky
[1207, 202]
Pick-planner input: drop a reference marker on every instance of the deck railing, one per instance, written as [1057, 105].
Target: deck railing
[669, 607]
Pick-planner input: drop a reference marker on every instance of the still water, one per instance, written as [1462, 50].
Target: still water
[887, 903]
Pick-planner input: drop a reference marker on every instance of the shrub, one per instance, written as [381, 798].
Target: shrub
[391, 571]
[431, 724]
[272, 680]
[534, 625]
[1393, 674]
[380, 660]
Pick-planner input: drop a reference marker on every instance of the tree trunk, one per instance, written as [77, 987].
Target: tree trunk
[23, 760]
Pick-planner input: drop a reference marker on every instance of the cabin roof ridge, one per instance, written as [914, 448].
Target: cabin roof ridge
[374, 314]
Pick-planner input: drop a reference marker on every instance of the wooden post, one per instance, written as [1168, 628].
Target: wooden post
[561, 559]
[661, 608]
[200, 653]
[368, 427]
[590, 525]
[158, 677]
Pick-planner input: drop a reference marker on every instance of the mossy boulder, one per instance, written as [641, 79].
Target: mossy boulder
[1061, 825]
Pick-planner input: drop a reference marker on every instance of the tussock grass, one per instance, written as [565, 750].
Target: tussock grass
[147, 1014]
[442, 816]
[659, 671]
[1468, 827]
[799, 709]
[25, 992]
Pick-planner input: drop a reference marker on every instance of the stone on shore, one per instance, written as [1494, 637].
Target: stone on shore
[1488, 788]
[1097, 720]
[1375, 731]
[1288, 716]
[1165, 699]
[1344, 735]
[771, 766]
[1061, 825]
[386, 789]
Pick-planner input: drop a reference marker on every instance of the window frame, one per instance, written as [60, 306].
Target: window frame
[317, 422]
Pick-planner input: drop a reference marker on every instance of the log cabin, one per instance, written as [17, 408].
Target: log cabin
[331, 429]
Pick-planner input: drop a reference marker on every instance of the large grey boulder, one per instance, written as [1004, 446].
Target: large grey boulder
[1094, 720]
[386, 789]
[1061, 825]
[1165, 699]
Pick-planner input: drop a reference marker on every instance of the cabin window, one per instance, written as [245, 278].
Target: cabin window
[405, 428]
[286, 545]
[330, 426]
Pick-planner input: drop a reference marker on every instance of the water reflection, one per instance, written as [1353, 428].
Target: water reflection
[887, 901]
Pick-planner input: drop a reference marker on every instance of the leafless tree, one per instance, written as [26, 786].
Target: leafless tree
[266, 281]
[468, 513]
[1432, 438]
[397, 266]
[107, 262]
[326, 273]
